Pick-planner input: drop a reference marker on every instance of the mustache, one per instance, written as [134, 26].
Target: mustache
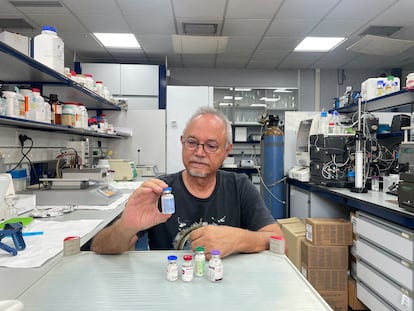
[198, 160]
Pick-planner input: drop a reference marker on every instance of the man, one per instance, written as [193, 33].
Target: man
[213, 208]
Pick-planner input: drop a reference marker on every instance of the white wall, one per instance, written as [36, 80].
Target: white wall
[182, 102]
[148, 128]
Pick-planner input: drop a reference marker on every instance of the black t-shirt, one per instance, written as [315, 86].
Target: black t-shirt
[234, 202]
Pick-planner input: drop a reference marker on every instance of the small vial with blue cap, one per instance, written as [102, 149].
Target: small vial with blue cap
[167, 201]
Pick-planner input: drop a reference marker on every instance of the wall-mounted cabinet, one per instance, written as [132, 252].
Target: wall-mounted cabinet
[244, 106]
[126, 79]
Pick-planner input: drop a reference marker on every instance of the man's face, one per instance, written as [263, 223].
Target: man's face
[204, 145]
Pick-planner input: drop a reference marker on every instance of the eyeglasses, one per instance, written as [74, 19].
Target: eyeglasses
[208, 147]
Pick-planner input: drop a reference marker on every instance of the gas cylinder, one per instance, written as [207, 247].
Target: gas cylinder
[272, 148]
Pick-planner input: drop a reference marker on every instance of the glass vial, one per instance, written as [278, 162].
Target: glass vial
[187, 268]
[167, 201]
[172, 268]
[200, 261]
[215, 267]
[277, 244]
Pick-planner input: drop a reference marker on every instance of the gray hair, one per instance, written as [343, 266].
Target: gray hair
[209, 110]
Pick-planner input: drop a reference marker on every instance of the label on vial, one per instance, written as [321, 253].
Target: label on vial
[215, 273]
[172, 272]
[168, 205]
[187, 273]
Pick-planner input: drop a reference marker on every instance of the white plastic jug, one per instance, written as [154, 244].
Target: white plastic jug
[48, 49]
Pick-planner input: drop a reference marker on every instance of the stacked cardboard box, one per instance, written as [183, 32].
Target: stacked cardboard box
[325, 258]
[294, 231]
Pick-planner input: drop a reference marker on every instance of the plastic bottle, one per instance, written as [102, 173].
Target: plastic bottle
[388, 85]
[409, 82]
[22, 105]
[39, 103]
[167, 201]
[323, 124]
[30, 103]
[337, 122]
[99, 88]
[172, 268]
[48, 49]
[215, 267]
[331, 124]
[200, 261]
[47, 113]
[11, 102]
[187, 268]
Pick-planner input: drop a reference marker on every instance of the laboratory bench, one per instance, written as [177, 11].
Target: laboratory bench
[137, 281]
[383, 245]
[376, 203]
[19, 279]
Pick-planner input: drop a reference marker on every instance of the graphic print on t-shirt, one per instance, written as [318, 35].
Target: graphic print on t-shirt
[181, 239]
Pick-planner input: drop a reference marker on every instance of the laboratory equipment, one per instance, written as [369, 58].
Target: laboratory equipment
[272, 167]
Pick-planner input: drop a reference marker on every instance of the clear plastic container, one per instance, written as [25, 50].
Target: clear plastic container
[19, 178]
[323, 124]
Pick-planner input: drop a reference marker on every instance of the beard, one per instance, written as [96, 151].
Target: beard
[194, 173]
[197, 172]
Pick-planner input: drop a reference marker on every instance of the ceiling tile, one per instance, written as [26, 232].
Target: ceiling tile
[156, 44]
[93, 7]
[148, 25]
[337, 28]
[199, 8]
[359, 10]
[245, 27]
[261, 65]
[304, 9]
[96, 23]
[81, 42]
[269, 55]
[63, 23]
[248, 9]
[278, 43]
[295, 28]
[201, 60]
[146, 7]
[243, 43]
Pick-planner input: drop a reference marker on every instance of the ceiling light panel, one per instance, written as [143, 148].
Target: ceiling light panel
[318, 44]
[118, 40]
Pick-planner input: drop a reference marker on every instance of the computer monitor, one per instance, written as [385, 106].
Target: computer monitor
[302, 142]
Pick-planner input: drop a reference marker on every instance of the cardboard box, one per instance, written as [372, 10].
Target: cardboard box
[327, 279]
[353, 301]
[337, 300]
[324, 256]
[284, 221]
[294, 233]
[16, 41]
[328, 231]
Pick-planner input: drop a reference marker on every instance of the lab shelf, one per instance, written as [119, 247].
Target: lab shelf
[17, 68]
[394, 100]
[41, 126]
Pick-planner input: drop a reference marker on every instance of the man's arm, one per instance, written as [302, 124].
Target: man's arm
[140, 213]
[231, 240]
